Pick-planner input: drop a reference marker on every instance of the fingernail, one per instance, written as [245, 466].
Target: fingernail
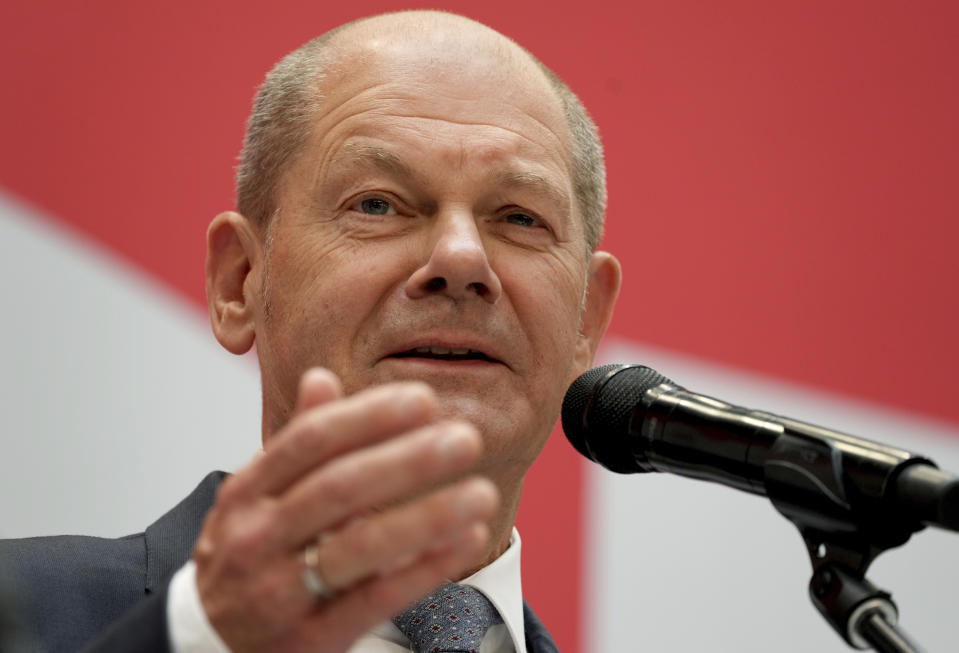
[473, 501]
[410, 400]
[455, 444]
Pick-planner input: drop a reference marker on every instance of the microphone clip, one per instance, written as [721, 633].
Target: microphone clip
[844, 531]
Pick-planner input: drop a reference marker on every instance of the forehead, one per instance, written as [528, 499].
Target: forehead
[441, 110]
[476, 86]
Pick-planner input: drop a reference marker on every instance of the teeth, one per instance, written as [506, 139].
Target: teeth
[443, 351]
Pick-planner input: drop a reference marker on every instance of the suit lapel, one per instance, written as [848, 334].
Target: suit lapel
[170, 539]
[538, 639]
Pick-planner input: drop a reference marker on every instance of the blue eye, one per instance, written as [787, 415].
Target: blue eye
[376, 206]
[521, 219]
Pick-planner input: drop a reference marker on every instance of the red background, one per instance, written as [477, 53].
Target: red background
[782, 177]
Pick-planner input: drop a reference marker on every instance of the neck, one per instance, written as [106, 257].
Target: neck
[501, 527]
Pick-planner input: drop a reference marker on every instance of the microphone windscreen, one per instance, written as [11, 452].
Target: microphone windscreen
[597, 410]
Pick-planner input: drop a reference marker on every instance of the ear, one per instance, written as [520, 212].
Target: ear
[602, 288]
[233, 260]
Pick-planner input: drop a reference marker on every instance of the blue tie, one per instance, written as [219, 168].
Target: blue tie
[453, 619]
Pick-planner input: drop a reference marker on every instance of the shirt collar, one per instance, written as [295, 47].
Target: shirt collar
[501, 583]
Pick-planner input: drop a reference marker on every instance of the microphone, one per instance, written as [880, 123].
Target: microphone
[632, 419]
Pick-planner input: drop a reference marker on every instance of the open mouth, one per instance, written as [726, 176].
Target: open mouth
[446, 354]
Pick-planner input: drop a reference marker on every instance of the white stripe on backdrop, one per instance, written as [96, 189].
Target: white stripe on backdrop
[674, 564]
[116, 399]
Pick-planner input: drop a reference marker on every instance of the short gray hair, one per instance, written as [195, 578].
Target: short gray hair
[290, 96]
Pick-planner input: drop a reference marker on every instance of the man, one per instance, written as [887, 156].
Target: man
[414, 257]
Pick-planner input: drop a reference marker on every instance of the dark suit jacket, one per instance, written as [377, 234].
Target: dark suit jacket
[66, 592]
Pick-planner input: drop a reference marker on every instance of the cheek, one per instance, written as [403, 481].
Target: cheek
[326, 303]
[551, 288]
[547, 301]
[313, 278]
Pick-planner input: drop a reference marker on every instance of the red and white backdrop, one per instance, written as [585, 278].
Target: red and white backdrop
[783, 196]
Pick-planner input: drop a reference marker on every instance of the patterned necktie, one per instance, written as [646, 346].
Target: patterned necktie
[453, 619]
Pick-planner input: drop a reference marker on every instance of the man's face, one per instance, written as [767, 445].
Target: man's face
[428, 230]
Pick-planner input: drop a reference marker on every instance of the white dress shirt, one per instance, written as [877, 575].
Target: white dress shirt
[191, 632]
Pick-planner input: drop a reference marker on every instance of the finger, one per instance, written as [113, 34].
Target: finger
[384, 543]
[248, 610]
[317, 386]
[379, 598]
[324, 432]
[371, 477]
[378, 545]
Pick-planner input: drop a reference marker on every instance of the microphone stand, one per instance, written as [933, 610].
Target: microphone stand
[843, 534]
[863, 615]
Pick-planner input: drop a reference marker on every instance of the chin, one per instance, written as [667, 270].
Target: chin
[478, 411]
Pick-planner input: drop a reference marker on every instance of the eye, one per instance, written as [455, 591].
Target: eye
[374, 206]
[522, 219]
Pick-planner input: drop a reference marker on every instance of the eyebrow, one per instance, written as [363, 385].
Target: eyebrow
[378, 157]
[535, 183]
[390, 163]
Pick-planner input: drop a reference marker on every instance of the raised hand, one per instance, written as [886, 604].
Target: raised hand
[375, 487]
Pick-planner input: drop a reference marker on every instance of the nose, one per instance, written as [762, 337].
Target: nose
[457, 266]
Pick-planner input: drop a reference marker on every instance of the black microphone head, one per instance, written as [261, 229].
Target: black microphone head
[597, 410]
